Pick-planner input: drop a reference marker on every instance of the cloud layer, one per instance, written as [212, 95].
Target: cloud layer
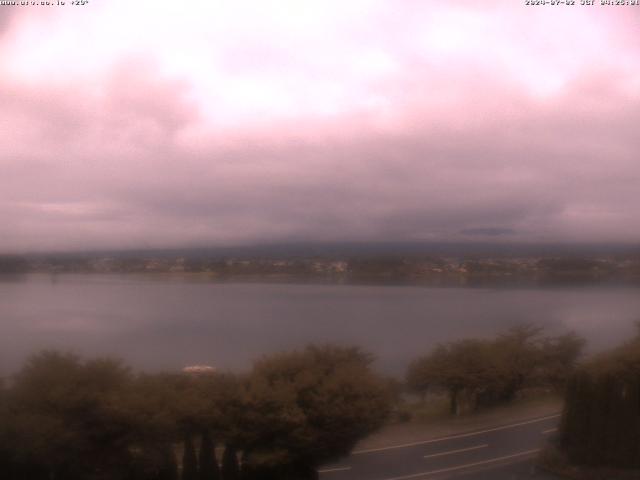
[156, 124]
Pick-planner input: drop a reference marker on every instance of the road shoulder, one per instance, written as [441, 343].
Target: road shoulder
[410, 432]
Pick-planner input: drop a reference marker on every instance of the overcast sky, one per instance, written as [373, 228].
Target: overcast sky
[154, 123]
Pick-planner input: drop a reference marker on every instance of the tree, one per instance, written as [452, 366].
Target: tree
[153, 406]
[6, 461]
[189, 459]
[168, 467]
[67, 419]
[230, 466]
[72, 419]
[601, 423]
[466, 370]
[154, 462]
[167, 408]
[307, 407]
[207, 459]
[519, 354]
[477, 373]
[559, 358]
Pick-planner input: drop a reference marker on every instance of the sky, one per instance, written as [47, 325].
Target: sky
[154, 124]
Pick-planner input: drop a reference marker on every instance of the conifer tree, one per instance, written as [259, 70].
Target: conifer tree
[208, 463]
[230, 466]
[601, 420]
[169, 468]
[189, 460]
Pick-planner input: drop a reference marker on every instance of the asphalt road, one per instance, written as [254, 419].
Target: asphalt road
[505, 452]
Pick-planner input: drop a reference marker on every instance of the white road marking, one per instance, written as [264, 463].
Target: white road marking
[453, 437]
[468, 465]
[337, 469]
[461, 450]
[547, 432]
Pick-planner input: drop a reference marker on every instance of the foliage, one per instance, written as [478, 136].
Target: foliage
[559, 356]
[601, 421]
[466, 368]
[189, 460]
[66, 418]
[62, 417]
[476, 373]
[230, 466]
[207, 461]
[305, 408]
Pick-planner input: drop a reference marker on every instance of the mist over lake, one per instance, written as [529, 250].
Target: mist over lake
[167, 323]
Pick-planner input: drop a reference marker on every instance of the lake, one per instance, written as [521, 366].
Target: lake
[160, 322]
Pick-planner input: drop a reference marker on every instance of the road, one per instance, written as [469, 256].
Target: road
[497, 453]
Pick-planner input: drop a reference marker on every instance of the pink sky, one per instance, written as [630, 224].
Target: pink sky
[162, 124]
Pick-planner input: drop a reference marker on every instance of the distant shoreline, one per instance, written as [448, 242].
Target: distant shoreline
[428, 270]
[468, 281]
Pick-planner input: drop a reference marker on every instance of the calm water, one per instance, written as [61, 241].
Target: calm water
[159, 323]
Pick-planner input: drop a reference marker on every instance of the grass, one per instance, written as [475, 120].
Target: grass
[418, 421]
[436, 408]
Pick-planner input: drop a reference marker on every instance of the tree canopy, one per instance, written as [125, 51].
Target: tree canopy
[307, 407]
[66, 418]
[476, 372]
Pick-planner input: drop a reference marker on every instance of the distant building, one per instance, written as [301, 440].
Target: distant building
[199, 370]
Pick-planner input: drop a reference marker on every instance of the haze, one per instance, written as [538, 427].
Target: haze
[169, 124]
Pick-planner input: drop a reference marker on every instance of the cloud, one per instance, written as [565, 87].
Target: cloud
[315, 121]
[9, 16]
[488, 231]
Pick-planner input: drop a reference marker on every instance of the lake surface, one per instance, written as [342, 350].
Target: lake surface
[166, 323]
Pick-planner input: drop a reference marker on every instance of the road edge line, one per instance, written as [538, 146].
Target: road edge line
[453, 437]
[468, 465]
